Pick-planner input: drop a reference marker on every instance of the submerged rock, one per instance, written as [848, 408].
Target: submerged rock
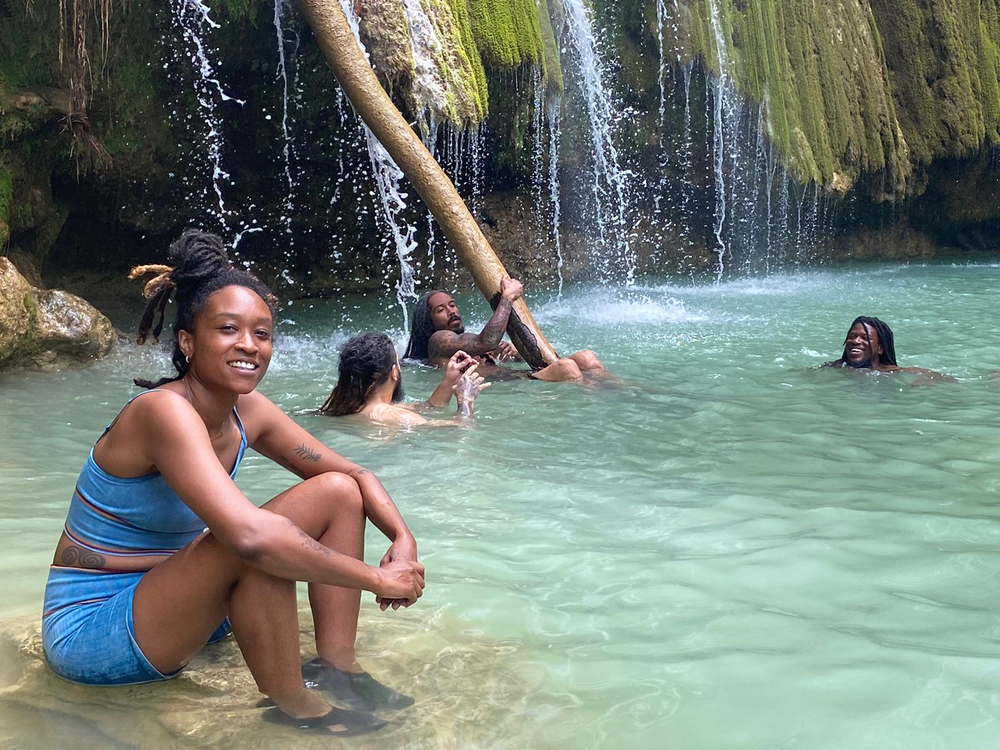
[464, 695]
[47, 329]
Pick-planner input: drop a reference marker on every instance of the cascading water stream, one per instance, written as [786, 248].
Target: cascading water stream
[281, 10]
[193, 23]
[554, 117]
[609, 185]
[762, 219]
[388, 178]
[720, 91]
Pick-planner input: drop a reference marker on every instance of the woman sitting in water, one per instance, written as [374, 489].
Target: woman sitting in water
[870, 345]
[138, 585]
[370, 383]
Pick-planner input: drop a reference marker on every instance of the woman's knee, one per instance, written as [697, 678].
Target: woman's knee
[340, 490]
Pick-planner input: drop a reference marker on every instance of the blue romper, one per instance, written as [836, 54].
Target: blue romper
[87, 630]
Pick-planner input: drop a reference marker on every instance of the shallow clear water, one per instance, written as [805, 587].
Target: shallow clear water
[731, 550]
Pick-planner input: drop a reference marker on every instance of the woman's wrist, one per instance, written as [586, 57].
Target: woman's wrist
[376, 578]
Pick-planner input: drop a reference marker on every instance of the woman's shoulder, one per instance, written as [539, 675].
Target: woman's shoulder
[158, 400]
[158, 414]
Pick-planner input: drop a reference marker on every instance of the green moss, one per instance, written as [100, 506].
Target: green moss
[31, 305]
[552, 64]
[6, 192]
[507, 32]
[472, 75]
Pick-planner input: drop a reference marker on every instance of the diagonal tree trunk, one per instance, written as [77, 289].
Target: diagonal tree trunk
[332, 31]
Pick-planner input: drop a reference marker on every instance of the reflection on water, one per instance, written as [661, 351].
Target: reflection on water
[733, 550]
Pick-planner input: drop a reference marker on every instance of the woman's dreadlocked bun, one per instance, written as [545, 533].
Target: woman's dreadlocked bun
[198, 266]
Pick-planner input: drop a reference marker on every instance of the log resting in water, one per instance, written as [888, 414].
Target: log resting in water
[332, 31]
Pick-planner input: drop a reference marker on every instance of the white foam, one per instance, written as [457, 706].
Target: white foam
[607, 311]
[777, 285]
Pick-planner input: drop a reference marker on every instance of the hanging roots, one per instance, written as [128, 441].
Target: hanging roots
[81, 78]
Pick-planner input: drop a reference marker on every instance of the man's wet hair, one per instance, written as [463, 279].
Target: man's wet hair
[365, 362]
[197, 266]
[885, 339]
[423, 327]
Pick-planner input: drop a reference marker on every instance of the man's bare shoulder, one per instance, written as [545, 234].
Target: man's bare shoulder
[391, 414]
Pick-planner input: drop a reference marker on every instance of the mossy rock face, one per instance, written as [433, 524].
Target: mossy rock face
[852, 87]
[464, 688]
[508, 32]
[48, 329]
[15, 317]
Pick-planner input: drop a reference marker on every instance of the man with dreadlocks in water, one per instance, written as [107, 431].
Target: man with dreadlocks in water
[139, 584]
[870, 345]
[438, 334]
[370, 383]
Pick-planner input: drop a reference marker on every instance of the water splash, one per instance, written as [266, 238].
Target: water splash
[193, 24]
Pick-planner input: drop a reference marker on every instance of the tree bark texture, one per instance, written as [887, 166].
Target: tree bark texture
[333, 33]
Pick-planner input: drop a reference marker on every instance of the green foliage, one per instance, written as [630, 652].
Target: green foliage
[240, 10]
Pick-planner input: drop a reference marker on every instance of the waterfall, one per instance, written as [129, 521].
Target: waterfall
[720, 92]
[609, 179]
[193, 24]
[554, 117]
[545, 140]
[538, 177]
[428, 88]
[388, 179]
[762, 220]
[281, 9]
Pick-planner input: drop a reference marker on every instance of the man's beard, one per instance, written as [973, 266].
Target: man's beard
[397, 392]
[862, 365]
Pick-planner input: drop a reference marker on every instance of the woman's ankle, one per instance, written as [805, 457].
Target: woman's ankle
[301, 705]
[341, 658]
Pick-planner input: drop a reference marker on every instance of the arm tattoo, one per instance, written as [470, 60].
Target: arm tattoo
[443, 346]
[78, 557]
[493, 331]
[308, 540]
[303, 451]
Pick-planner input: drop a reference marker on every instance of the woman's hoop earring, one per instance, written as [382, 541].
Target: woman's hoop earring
[187, 359]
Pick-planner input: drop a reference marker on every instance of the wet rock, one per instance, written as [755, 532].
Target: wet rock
[525, 245]
[891, 243]
[47, 329]
[465, 691]
[15, 316]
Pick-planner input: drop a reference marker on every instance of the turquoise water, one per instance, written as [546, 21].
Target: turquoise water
[731, 550]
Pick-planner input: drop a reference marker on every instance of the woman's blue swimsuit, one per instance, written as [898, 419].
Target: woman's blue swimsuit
[87, 630]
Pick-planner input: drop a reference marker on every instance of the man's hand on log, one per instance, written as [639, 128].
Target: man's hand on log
[510, 289]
